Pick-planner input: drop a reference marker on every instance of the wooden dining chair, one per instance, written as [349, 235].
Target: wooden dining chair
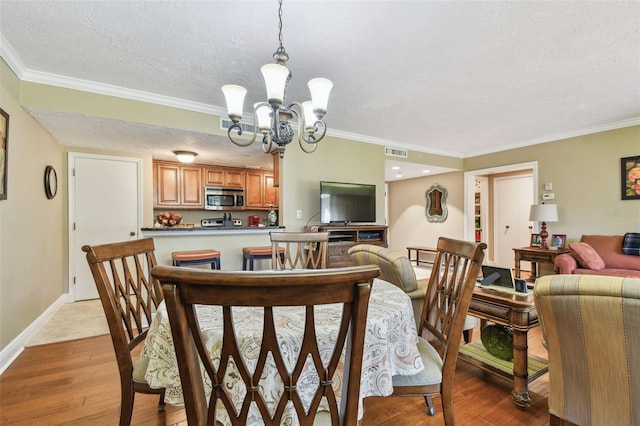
[455, 270]
[184, 288]
[302, 250]
[129, 295]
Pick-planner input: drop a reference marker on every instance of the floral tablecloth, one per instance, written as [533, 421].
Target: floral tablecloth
[389, 347]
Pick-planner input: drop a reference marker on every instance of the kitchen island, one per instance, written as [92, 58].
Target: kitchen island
[228, 240]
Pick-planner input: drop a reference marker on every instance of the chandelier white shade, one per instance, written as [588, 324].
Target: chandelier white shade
[273, 119]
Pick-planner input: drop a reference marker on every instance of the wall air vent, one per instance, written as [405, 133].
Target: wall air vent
[225, 123]
[395, 152]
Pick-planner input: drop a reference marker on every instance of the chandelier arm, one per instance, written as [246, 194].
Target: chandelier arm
[267, 144]
[308, 147]
[313, 138]
[238, 129]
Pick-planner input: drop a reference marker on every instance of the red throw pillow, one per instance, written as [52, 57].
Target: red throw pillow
[586, 256]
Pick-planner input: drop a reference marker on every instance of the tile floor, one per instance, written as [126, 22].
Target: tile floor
[73, 321]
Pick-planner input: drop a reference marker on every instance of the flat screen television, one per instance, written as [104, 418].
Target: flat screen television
[346, 203]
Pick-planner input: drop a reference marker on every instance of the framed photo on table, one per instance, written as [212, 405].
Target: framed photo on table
[558, 241]
[536, 241]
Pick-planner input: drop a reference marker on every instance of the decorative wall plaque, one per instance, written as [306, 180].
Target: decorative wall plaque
[436, 209]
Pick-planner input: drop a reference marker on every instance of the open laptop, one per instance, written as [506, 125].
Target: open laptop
[497, 276]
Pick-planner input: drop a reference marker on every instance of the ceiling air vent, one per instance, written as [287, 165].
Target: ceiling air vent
[225, 123]
[395, 152]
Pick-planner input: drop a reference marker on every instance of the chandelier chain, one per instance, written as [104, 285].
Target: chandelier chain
[281, 48]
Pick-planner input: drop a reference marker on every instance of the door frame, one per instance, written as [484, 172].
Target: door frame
[469, 193]
[71, 158]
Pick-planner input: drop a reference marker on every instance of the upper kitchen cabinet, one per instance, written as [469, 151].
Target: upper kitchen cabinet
[260, 192]
[177, 186]
[223, 177]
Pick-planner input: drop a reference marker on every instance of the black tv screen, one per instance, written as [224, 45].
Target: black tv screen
[347, 202]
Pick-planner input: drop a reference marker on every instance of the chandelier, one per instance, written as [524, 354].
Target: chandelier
[273, 118]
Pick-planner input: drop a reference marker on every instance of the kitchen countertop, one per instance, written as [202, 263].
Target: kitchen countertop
[208, 230]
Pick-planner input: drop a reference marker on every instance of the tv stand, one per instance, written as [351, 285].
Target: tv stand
[343, 237]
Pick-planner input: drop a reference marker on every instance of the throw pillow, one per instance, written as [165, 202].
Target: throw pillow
[586, 256]
[631, 243]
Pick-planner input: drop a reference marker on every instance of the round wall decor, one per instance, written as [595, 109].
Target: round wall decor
[50, 182]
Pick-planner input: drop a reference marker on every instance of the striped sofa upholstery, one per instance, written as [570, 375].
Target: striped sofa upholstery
[591, 327]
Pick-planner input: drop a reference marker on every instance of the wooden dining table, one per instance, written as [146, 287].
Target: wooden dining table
[390, 345]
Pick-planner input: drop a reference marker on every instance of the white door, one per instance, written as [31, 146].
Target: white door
[104, 207]
[512, 198]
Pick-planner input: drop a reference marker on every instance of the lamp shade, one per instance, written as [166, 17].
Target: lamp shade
[543, 213]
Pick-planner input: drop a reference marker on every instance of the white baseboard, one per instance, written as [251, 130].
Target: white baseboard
[17, 345]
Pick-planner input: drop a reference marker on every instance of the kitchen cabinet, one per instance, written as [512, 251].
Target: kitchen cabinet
[177, 186]
[223, 177]
[260, 192]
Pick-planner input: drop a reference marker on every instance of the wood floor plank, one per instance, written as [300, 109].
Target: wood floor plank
[76, 383]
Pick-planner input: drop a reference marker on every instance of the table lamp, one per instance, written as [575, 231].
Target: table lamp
[543, 213]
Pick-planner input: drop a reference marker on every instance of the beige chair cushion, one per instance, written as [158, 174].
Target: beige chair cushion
[432, 372]
[139, 368]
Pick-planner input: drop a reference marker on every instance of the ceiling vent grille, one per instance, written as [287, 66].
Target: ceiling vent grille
[395, 152]
[225, 123]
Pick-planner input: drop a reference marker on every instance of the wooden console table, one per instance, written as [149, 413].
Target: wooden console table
[517, 311]
[535, 256]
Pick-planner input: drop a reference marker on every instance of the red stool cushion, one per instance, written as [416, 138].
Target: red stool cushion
[194, 255]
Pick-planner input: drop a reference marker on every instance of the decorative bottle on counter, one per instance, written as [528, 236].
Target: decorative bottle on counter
[272, 217]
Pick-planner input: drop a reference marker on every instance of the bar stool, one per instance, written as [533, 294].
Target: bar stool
[196, 257]
[249, 254]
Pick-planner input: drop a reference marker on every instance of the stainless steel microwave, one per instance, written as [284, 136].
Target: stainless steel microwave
[223, 198]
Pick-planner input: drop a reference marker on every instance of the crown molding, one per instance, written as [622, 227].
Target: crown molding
[634, 121]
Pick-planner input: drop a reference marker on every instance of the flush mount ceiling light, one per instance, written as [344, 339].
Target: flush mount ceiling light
[273, 117]
[185, 156]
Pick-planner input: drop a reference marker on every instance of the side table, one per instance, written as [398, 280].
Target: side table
[535, 256]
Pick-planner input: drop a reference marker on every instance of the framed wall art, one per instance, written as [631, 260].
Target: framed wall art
[630, 177]
[4, 141]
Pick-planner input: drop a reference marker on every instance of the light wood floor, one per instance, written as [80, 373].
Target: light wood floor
[76, 383]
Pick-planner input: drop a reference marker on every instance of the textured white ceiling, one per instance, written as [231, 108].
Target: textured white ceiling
[447, 77]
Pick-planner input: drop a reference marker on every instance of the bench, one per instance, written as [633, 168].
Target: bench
[418, 250]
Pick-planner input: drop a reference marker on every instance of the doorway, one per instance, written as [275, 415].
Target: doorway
[104, 207]
[470, 179]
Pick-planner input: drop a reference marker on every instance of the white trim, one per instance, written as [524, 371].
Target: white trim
[17, 345]
[469, 191]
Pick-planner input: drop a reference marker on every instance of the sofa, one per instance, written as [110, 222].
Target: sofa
[598, 255]
[397, 269]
